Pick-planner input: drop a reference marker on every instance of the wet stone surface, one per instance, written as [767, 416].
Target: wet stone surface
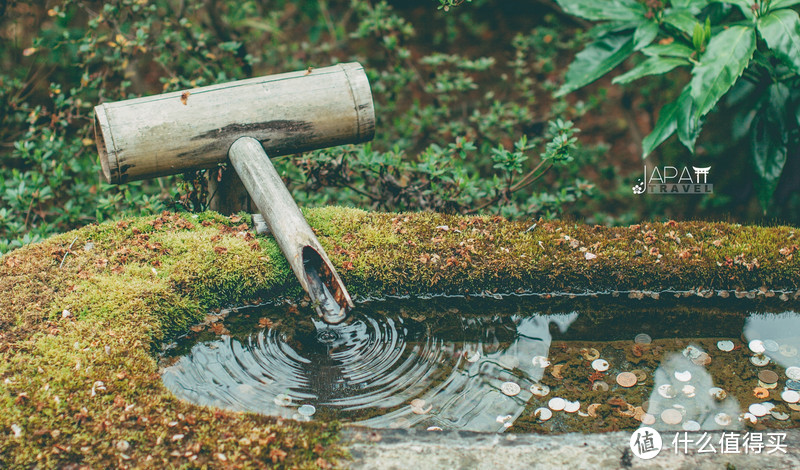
[519, 364]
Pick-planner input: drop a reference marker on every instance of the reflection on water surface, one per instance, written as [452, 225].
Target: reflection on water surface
[518, 364]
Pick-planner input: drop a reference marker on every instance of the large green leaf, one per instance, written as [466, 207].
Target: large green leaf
[666, 125]
[769, 141]
[725, 59]
[781, 30]
[652, 66]
[681, 19]
[596, 60]
[744, 6]
[776, 4]
[671, 50]
[695, 5]
[604, 10]
[644, 34]
[688, 127]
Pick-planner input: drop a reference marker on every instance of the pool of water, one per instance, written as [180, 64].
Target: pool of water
[518, 364]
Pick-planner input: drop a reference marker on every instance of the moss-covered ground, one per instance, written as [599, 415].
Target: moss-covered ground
[80, 313]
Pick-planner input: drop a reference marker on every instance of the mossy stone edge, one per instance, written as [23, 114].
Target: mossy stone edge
[81, 312]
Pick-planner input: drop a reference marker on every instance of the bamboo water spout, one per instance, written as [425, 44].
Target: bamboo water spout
[244, 121]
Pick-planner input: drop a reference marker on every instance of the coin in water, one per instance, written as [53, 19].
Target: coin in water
[761, 392]
[667, 391]
[504, 419]
[590, 354]
[771, 345]
[648, 419]
[788, 350]
[540, 361]
[592, 409]
[641, 375]
[307, 410]
[642, 338]
[723, 419]
[472, 357]
[434, 428]
[790, 396]
[683, 375]
[725, 345]
[703, 359]
[600, 385]
[689, 390]
[793, 384]
[757, 346]
[626, 379]
[671, 416]
[557, 403]
[543, 414]
[691, 426]
[600, 365]
[750, 417]
[718, 393]
[768, 376]
[510, 388]
[759, 360]
[779, 416]
[282, 400]
[572, 406]
[540, 390]
[793, 372]
[793, 406]
[757, 409]
[767, 386]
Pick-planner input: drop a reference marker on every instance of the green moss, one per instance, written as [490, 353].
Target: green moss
[131, 283]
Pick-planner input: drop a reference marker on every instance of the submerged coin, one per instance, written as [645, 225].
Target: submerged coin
[779, 416]
[671, 416]
[689, 390]
[767, 386]
[758, 409]
[600, 385]
[750, 417]
[572, 406]
[434, 428]
[788, 350]
[472, 357]
[590, 354]
[642, 338]
[307, 410]
[540, 361]
[626, 379]
[418, 407]
[504, 419]
[793, 406]
[768, 376]
[702, 359]
[691, 426]
[683, 375]
[592, 409]
[557, 403]
[540, 390]
[757, 346]
[760, 392]
[510, 388]
[543, 414]
[641, 375]
[759, 360]
[723, 419]
[600, 365]
[282, 400]
[793, 372]
[790, 396]
[648, 419]
[793, 384]
[771, 345]
[667, 391]
[725, 345]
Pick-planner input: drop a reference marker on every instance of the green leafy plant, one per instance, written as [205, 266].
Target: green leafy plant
[748, 50]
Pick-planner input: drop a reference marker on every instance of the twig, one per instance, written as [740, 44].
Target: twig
[68, 252]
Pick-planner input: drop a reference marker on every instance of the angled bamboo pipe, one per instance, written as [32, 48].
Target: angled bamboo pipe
[244, 121]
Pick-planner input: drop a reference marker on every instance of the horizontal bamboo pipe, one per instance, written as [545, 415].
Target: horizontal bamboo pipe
[287, 113]
[295, 238]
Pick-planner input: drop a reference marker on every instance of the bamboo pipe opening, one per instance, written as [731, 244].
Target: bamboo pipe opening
[328, 296]
[100, 126]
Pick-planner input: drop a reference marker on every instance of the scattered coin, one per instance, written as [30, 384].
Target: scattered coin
[600, 385]
[541, 361]
[768, 377]
[691, 426]
[683, 375]
[723, 419]
[760, 392]
[790, 396]
[510, 388]
[307, 410]
[543, 414]
[540, 390]
[692, 352]
[592, 409]
[648, 419]
[767, 386]
[434, 428]
[793, 384]
[642, 338]
[641, 375]
[646, 405]
[757, 346]
[759, 360]
[556, 371]
[626, 379]
[504, 419]
[758, 409]
[671, 416]
[418, 407]
[472, 357]
[667, 391]
[771, 345]
[788, 350]
[725, 345]
[703, 359]
[750, 417]
[590, 354]
[600, 365]
[689, 390]
[793, 372]
[779, 416]
[282, 400]
[557, 403]
[793, 406]
[718, 393]
[572, 406]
